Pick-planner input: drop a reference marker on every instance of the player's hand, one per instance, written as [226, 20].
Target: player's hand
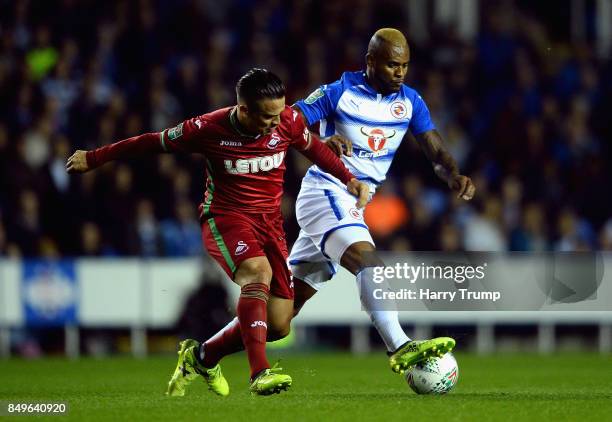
[360, 190]
[339, 145]
[463, 186]
[77, 163]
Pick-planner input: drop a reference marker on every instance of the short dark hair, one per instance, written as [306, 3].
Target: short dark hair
[257, 84]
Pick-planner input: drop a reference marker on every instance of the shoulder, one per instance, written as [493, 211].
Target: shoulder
[289, 114]
[410, 93]
[334, 90]
[354, 85]
[290, 118]
[212, 122]
[218, 117]
[350, 79]
[347, 81]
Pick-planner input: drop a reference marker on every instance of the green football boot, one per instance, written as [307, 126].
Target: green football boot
[269, 381]
[414, 352]
[188, 369]
[215, 380]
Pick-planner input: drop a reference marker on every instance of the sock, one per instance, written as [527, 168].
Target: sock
[227, 341]
[253, 319]
[383, 314]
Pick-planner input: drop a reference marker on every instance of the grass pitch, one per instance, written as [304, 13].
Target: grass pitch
[326, 387]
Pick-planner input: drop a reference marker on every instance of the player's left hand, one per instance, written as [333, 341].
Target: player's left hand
[360, 190]
[463, 186]
[339, 145]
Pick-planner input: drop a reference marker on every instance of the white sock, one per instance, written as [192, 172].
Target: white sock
[386, 321]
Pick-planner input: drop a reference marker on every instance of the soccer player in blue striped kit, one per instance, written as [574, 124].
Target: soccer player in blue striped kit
[366, 114]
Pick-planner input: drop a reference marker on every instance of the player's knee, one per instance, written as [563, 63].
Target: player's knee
[360, 255]
[264, 276]
[254, 271]
[303, 292]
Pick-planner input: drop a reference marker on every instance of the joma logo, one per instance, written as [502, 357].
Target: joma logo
[259, 324]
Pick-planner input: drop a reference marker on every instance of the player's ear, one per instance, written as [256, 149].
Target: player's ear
[370, 60]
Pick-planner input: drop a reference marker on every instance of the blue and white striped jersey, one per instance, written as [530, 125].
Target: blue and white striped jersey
[374, 123]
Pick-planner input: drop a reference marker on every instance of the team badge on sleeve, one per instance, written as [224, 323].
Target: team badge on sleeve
[175, 132]
[318, 93]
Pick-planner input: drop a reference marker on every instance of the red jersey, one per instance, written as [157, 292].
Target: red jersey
[243, 173]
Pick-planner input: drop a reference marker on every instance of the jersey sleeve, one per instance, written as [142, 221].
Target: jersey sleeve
[188, 136]
[421, 119]
[300, 136]
[322, 102]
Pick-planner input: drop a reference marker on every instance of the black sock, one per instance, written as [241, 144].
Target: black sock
[390, 353]
[199, 354]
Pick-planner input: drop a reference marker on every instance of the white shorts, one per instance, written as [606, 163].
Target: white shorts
[330, 222]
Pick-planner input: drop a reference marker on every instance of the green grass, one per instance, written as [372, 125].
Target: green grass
[326, 387]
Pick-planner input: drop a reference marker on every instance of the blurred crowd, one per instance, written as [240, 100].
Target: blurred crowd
[524, 112]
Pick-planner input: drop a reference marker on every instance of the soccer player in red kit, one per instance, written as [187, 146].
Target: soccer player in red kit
[245, 148]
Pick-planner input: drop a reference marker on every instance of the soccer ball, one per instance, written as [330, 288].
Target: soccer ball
[434, 375]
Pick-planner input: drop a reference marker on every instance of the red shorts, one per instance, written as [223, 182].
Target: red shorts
[233, 237]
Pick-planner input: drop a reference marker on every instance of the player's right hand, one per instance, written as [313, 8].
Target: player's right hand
[339, 145]
[360, 190]
[77, 162]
